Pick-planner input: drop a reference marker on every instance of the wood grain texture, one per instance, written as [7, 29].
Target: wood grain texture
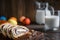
[18, 8]
[30, 9]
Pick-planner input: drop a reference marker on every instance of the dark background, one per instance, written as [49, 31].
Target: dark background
[18, 8]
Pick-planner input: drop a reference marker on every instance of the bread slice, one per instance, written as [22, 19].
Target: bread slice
[8, 30]
[19, 31]
[4, 28]
[1, 28]
[14, 32]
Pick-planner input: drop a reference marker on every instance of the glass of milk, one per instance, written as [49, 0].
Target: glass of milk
[52, 22]
[59, 16]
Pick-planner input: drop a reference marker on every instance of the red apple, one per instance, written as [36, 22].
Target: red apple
[27, 21]
[22, 18]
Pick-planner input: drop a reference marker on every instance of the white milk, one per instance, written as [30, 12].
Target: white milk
[40, 16]
[59, 16]
[52, 22]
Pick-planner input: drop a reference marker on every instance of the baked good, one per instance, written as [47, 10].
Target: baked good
[13, 31]
[19, 31]
[8, 30]
[3, 28]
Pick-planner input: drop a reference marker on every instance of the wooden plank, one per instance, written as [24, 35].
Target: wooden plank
[30, 9]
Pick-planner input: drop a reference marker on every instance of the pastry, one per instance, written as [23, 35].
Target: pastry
[14, 31]
[3, 28]
[18, 31]
[9, 31]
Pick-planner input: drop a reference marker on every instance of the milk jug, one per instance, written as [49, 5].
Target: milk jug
[40, 13]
